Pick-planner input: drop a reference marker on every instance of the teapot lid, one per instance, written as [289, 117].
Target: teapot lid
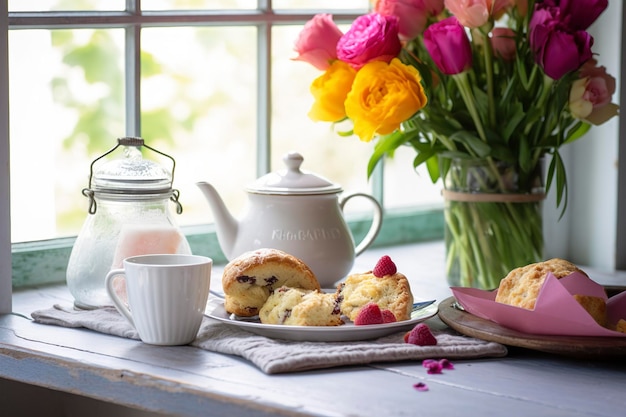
[293, 180]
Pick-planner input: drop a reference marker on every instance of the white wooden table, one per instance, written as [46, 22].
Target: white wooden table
[191, 382]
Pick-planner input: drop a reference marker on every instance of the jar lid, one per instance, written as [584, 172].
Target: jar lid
[293, 180]
[132, 175]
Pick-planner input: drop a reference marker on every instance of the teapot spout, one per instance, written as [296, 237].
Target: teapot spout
[226, 225]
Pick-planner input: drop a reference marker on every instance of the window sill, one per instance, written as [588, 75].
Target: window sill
[44, 262]
[186, 381]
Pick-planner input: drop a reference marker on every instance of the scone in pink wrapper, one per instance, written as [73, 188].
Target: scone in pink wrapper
[556, 311]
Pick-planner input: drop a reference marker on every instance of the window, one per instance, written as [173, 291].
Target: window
[209, 78]
[194, 79]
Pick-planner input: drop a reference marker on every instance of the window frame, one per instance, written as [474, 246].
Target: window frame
[26, 264]
[5, 192]
[43, 262]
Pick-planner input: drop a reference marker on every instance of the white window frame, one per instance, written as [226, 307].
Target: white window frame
[264, 18]
[5, 215]
[131, 20]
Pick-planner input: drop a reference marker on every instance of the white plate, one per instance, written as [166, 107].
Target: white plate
[346, 332]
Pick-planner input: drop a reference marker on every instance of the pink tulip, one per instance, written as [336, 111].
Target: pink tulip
[558, 49]
[475, 13]
[317, 42]
[448, 45]
[503, 42]
[413, 15]
[372, 37]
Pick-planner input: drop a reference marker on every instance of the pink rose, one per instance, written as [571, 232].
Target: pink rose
[475, 13]
[590, 96]
[317, 42]
[413, 15]
[503, 42]
[558, 49]
[448, 46]
[372, 37]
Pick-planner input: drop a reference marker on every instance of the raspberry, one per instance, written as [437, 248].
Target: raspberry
[370, 314]
[384, 266]
[420, 336]
[388, 316]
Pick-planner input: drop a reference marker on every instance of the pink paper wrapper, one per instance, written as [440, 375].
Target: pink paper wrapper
[556, 311]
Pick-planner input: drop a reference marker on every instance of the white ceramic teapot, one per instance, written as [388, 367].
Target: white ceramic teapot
[299, 213]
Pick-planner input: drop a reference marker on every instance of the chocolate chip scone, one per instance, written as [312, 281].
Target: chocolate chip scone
[390, 292]
[249, 279]
[298, 307]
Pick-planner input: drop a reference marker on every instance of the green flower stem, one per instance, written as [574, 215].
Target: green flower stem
[484, 243]
[488, 56]
[486, 240]
[449, 144]
[545, 92]
[468, 97]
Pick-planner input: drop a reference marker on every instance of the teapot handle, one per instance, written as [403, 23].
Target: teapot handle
[376, 221]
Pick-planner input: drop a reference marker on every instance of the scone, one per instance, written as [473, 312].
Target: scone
[390, 292]
[249, 279]
[298, 307]
[621, 326]
[595, 306]
[522, 285]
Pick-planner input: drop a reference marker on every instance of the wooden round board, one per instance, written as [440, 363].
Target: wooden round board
[586, 347]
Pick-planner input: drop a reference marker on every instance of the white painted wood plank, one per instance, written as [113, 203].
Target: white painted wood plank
[191, 382]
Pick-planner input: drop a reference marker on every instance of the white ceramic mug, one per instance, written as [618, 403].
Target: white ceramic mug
[167, 295]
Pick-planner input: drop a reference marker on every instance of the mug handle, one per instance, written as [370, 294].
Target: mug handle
[117, 301]
[376, 221]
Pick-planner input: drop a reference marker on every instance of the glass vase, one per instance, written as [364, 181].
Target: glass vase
[493, 221]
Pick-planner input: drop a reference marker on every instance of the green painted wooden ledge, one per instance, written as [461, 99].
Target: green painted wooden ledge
[44, 262]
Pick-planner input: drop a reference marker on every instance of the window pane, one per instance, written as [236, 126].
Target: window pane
[199, 105]
[198, 4]
[50, 5]
[404, 187]
[66, 104]
[342, 160]
[321, 4]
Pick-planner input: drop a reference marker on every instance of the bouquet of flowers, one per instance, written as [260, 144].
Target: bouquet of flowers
[502, 82]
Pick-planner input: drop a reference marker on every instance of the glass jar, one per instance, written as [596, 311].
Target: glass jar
[128, 215]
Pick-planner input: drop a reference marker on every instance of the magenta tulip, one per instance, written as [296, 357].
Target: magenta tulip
[448, 46]
[558, 49]
[580, 13]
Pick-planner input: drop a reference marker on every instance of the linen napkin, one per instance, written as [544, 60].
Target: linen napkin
[275, 356]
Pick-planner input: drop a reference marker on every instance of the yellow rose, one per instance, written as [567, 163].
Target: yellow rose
[383, 96]
[330, 91]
